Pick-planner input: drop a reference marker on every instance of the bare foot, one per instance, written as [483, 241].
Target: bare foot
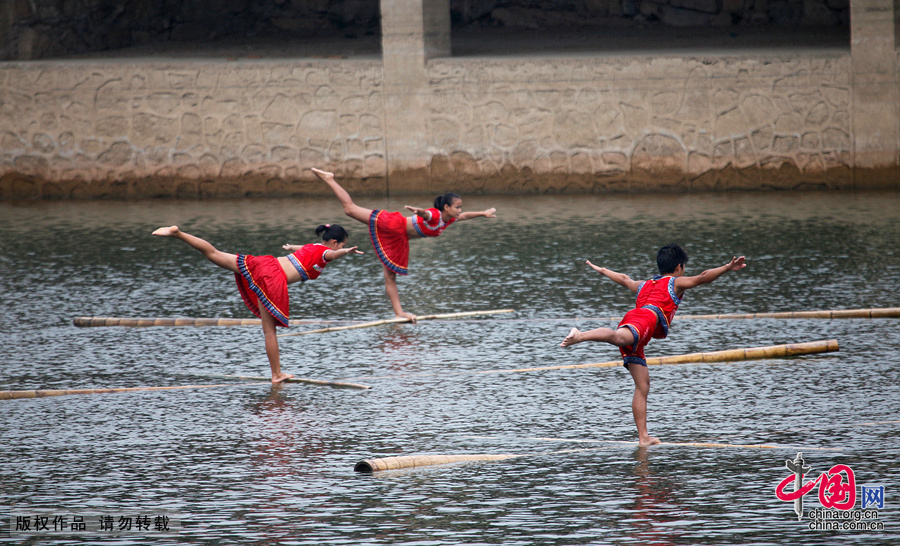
[281, 377]
[166, 231]
[324, 175]
[572, 338]
[412, 318]
[649, 441]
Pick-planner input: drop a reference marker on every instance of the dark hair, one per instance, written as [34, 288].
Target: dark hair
[446, 199]
[669, 257]
[332, 231]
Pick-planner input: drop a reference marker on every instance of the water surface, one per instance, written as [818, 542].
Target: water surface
[255, 464]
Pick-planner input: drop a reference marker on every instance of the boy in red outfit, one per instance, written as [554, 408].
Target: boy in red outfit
[657, 301]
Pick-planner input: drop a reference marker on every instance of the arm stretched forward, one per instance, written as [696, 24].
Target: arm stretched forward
[331, 255]
[684, 283]
[489, 213]
[618, 278]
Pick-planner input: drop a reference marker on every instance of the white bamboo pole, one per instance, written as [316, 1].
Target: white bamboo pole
[398, 321]
[11, 395]
[169, 321]
[322, 382]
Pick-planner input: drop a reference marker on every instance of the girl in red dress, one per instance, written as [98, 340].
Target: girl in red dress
[262, 280]
[390, 231]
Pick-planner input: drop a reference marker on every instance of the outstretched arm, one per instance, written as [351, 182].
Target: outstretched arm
[332, 255]
[684, 283]
[489, 213]
[618, 278]
[424, 213]
[291, 248]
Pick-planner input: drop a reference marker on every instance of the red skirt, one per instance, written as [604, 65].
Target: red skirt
[388, 233]
[262, 280]
[642, 323]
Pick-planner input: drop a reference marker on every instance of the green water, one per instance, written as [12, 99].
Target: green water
[255, 464]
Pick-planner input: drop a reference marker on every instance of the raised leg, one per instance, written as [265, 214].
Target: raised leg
[351, 209]
[620, 337]
[272, 351]
[390, 286]
[224, 260]
[641, 377]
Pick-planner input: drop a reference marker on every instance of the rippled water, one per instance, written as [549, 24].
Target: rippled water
[253, 464]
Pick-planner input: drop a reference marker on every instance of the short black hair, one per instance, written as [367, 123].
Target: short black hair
[669, 257]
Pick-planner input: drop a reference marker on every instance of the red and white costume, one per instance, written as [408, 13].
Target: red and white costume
[432, 227]
[388, 233]
[654, 311]
[261, 280]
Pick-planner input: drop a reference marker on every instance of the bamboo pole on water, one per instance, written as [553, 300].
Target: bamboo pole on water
[676, 444]
[398, 321]
[884, 312]
[415, 461]
[322, 382]
[691, 444]
[12, 395]
[418, 461]
[730, 355]
[84, 322]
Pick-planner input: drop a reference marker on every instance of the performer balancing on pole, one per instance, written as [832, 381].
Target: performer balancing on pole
[262, 280]
[657, 301]
[390, 231]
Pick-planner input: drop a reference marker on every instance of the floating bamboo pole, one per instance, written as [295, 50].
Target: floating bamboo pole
[399, 321]
[11, 395]
[164, 321]
[338, 384]
[695, 444]
[885, 312]
[730, 355]
[677, 444]
[415, 461]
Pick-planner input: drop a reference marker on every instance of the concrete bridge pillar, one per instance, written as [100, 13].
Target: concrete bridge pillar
[413, 31]
[876, 129]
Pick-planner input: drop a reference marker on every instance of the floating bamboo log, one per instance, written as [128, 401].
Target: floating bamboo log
[163, 321]
[730, 355]
[399, 320]
[885, 312]
[337, 384]
[694, 444]
[10, 395]
[415, 461]
[678, 444]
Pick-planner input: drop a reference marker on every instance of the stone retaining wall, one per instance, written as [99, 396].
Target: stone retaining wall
[695, 124]
[132, 130]
[223, 129]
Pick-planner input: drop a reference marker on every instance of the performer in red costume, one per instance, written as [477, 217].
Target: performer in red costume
[390, 231]
[657, 301]
[262, 280]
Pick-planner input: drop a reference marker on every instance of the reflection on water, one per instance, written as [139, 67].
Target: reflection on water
[273, 465]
